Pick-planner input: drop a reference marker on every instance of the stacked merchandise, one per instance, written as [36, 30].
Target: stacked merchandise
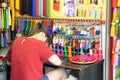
[76, 39]
[23, 27]
[115, 34]
[5, 23]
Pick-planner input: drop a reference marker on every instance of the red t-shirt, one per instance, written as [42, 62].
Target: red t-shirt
[27, 56]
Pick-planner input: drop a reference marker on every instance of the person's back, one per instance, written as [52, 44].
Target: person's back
[27, 58]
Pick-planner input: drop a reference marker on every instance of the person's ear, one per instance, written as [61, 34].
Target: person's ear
[42, 34]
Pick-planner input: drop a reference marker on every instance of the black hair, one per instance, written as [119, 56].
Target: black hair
[39, 27]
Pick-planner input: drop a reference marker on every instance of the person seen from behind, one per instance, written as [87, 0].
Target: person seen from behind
[27, 55]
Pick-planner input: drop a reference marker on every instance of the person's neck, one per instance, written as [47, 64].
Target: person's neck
[32, 37]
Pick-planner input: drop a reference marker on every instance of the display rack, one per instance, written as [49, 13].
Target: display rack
[74, 33]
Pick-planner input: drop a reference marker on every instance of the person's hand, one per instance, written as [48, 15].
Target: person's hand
[54, 59]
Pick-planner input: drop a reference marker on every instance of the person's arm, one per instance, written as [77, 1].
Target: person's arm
[46, 54]
[54, 59]
[8, 56]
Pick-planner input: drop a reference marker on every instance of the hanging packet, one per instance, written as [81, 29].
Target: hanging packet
[112, 32]
[56, 5]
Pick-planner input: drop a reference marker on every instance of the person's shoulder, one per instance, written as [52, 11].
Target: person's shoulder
[18, 39]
